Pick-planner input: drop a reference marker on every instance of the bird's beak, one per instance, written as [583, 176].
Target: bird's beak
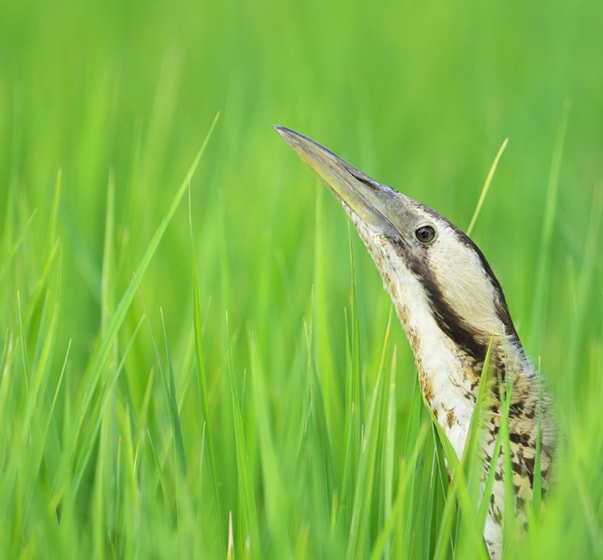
[378, 206]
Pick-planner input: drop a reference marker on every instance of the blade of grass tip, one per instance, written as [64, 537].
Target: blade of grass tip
[355, 325]
[51, 416]
[381, 429]
[126, 497]
[202, 379]
[420, 489]
[43, 357]
[389, 460]
[381, 548]
[372, 441]
[352, 432]
[322, 332]
[173, 402]
[314, 435]
[275, 490]
[158, 479]
[389, 427]
[354, 405]
[41, 285]
[248, 516]
[323, 404]
[95, 367]
[318, 417]
[361, 506]
[486, 187]
[450, 511]
[544, 254]
[168, 386]
[101, 492]
[86, 445]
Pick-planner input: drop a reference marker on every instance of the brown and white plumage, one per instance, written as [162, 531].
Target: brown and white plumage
[453, 310]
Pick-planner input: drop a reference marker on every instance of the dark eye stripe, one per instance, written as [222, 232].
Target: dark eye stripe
[501, 304]
[448, 320]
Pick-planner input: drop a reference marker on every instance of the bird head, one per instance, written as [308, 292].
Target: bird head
[438, 278]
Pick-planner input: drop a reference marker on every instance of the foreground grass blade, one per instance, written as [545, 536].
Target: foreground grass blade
[98, 361]
[202, 379]
[486, 187]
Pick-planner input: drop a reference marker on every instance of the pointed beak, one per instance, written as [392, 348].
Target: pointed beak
[378, 206]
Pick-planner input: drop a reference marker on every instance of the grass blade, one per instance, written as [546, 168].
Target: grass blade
[98, 360]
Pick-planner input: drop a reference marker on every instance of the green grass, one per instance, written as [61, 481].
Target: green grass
[198, 358]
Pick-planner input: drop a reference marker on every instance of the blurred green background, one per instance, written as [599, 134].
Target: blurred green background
[418, 95]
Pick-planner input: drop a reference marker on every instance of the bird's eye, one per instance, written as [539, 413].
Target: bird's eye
[425, 234]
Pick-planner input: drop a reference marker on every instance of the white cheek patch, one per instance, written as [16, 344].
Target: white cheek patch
[471, 295]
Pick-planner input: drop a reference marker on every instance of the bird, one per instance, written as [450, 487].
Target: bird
[455, 316]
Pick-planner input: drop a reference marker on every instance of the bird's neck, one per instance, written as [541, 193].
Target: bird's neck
[449, 373]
